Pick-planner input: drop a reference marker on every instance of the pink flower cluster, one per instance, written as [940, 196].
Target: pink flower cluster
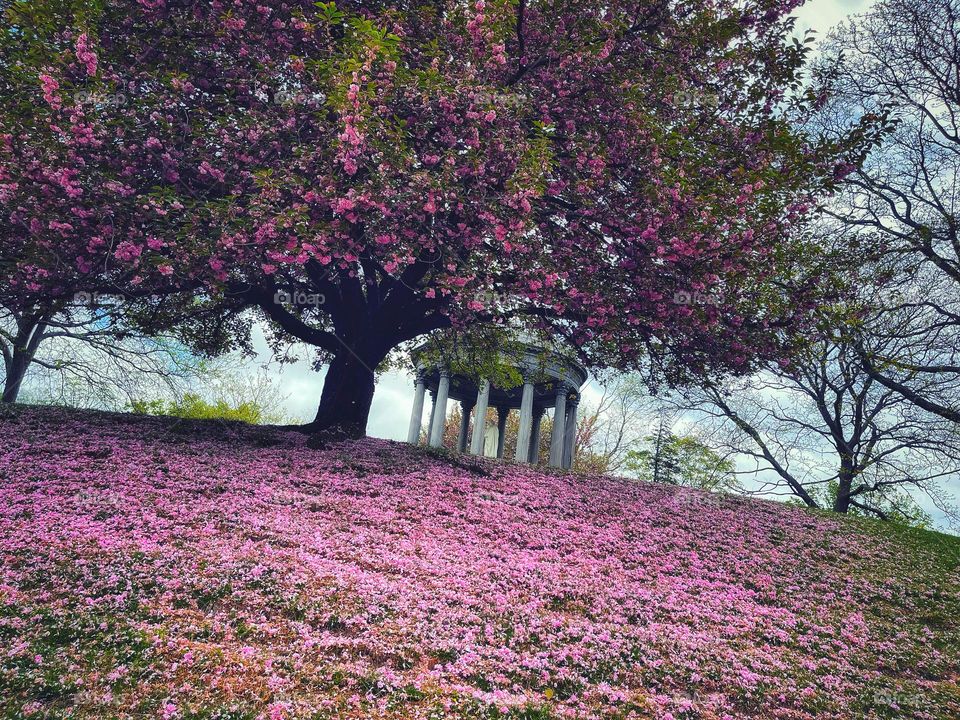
[369, 579]
[85, 55]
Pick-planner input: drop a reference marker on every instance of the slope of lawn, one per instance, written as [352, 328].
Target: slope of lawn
[160, 569]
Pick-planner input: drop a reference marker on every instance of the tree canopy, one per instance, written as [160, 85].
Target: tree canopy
[625, 175]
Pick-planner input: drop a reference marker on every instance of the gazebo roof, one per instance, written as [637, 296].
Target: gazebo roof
[546, 369]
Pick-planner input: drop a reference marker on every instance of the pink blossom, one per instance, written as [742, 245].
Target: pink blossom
[127, 251]
[49, 85]
[491, 585]
[206, 169]
[86, 55]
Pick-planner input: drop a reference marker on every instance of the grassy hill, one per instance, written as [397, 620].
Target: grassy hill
[160, 569]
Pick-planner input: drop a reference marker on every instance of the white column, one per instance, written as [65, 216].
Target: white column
[440, 410]
[535, 436]
[416, 417]
[433, 413]
[570, 434]
[465, 409]
[559, 427]
[480, 418]
[502, 413]
[526, 423]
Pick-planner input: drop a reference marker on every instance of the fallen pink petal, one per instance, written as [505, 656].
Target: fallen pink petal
[369, 579]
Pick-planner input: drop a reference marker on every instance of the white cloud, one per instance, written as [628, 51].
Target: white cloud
[822, 15]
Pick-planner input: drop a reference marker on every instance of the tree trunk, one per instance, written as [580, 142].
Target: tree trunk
[657, 458]
[347, 395]
[845, 484]
[30, 333]
[15, 371]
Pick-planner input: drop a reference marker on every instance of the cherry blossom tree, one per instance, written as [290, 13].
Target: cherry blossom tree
[625, 175]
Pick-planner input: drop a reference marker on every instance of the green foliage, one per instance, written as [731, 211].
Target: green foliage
[331, 15]
[374, 37]
[193, 407]
[681, 460]
[479, 351]
[536, 162]
[31, 26]
[898, 505]
[224, 392]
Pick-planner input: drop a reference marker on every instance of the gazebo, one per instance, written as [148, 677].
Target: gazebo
[550, 380]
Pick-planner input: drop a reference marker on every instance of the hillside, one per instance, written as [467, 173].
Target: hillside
[172, 570]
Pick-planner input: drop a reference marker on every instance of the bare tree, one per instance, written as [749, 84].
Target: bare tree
[901, 60]
[609, 430]
[84, 352]
[826, 431]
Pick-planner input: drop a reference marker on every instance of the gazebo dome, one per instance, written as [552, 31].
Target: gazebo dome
[550, 380]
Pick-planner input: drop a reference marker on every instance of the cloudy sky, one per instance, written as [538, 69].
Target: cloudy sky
[821, 15]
